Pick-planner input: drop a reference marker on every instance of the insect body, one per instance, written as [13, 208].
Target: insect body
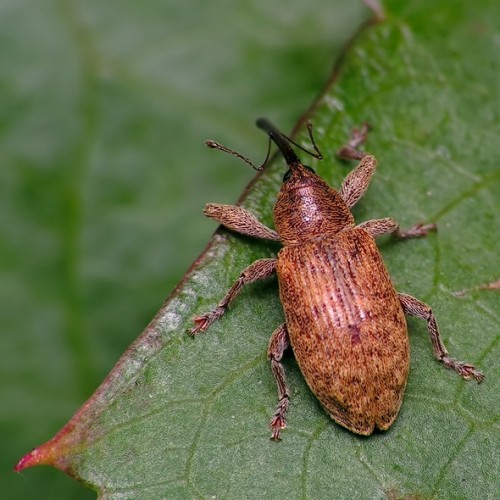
[343, 318]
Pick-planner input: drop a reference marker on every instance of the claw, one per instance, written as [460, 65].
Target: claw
[466, 370]
[201, 323]
[277, 423]
[350, 150]
[417, 231]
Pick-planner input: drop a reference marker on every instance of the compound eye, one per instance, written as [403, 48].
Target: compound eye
[310, 169]
[287, 175]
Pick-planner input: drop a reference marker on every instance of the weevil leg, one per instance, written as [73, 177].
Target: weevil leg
[415, 307]
[258, 270]
[356, 183]
[349, 151]
[239, 220]
[377, 227]
[278, 344]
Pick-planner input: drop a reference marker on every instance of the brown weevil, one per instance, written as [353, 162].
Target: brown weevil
[343, 318]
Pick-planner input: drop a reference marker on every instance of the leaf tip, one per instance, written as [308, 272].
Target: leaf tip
[54, 453]
[42, 455]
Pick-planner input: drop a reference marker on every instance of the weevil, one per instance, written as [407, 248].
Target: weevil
[344, 319]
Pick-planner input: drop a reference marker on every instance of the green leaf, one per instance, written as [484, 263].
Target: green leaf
[179, 417]
[104, 107]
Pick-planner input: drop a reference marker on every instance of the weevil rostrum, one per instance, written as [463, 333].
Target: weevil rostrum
[343, 318]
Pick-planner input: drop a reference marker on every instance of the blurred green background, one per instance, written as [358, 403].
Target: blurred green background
[104, 107]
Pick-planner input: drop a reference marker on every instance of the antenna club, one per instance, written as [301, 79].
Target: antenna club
[211, 144]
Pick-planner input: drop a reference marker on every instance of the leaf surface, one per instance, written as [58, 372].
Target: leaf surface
[181, 417]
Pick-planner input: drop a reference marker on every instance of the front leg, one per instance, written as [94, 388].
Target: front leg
[239, 220]
[415, 307]
[377, 227]
[356, 183]
[258, 270]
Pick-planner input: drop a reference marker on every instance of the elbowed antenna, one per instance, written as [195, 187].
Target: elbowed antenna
[215, 145]
[281, 140]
